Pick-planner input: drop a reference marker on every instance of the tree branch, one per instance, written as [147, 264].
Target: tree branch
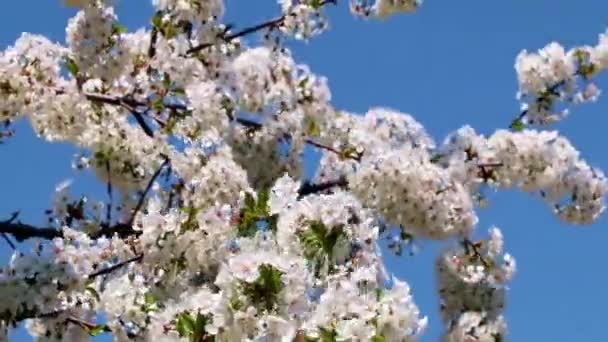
[8, 240]
[21, 231]
[110, 195]
[267, 24]
[311, 188]
[470, 246]
[87, 326]
[115, 267]
[143, 196]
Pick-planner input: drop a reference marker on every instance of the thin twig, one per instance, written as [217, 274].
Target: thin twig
[8, 240]
[87, 326]
[144, 194]
[246, 31]
[110, 196]
[471, 246]
[127, 103]
[354, 156]
[266, 24]
[311, 188]
[139, 118]
[4, 235]
[115, 267]
[153, 40]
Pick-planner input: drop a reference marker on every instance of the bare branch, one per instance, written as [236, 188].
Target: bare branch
[143, 196]
[472, 247]
[311, 188]
[110, 196]
[21, 231]
[115, 267]
[87, 326]
[228, 38]
[8, 240]
[354, 155]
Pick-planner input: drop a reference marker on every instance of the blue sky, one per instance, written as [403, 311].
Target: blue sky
[449, 64]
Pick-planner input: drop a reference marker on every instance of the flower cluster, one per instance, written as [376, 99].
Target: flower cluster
[383, 8]
[534, 161]
[553, 75]
[471, 284]
[199, 134]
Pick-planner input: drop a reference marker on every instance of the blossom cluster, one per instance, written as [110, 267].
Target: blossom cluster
[471, 285]
[553, 75]
[199, 133]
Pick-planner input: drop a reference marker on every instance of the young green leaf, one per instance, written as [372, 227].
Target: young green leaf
[71, 66]
[517, 125]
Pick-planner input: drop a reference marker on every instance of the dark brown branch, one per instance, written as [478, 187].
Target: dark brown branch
[153, 40]
[8, 240]
[113, 100]
[311, 188]
[21, 231]
[110, 195]
[123, 230]
[144, 194]
[5, 236]
[344, 154]
[139, 118]
[127, 103]
[267, 24]
[87, 326]
[115, 267]
[472, 247]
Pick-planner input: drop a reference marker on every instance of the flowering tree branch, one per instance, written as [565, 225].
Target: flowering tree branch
[144, 194]
[311, 188]
[252, 189]
[112, 268]
[21, 231]
[261, 26]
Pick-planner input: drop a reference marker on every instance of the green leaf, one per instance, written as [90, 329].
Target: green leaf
[312, 127]
[316, 4]
[96, 330]
[185, 324]
[517, 125]
[272, 223]
[379, 293]
[262, 203]
[436, 158]
[249, 201]
[179, 91]
[199, 327]
[236, 304]
[328, 335]
[247, 226]
[348, 152]
[378, 338]
[71, 66]
[157, 20]
[191, 223]
[318, 243]
[118, 29]
[149, 302]
[91, 290]
[167, 81]
[158, 104]
[264, 291]
[303, 82]
[149, 298]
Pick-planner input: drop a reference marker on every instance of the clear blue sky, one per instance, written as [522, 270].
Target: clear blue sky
[449, 64]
